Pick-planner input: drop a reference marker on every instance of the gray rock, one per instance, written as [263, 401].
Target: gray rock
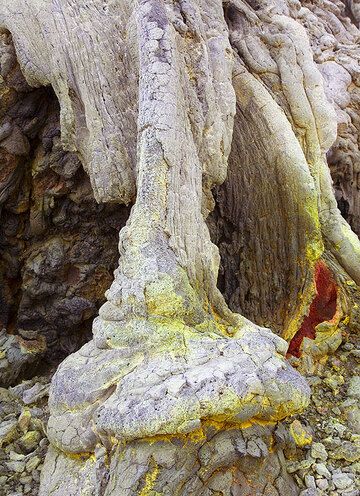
[253, 449]
[354, 387]
[353, 418]
[318, 452]
[140, 406]
[33, 463]
[354, 468]
[301, 465]
[310, 492]
[16, 466]
[322, 470]
[36, 475]
[340, 429]
[16, 457]
[13, 359]
[336, 410]
[342, 481]
[5, 130]
[8, 430]
[347, 451]
[36, 393]
[322, 484]
[25, 479]
[310, 482]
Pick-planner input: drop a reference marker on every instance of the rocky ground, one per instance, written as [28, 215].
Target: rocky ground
[321, 447]
[323, 444]
[23, 442]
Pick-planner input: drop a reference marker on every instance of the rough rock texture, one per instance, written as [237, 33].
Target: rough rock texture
[336, 53]
[58, 247]
[283, 122]
[23, 443]
[216, 461]
[328, 462]
[172, 390]
[162, 101]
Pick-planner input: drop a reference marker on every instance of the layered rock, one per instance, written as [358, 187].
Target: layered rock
[148, 93]
[288, 114]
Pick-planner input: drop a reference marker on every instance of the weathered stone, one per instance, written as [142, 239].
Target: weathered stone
[342, 481]
[354, 387]
[16, 355]
[322, 470]
[30, 440]
[310, 492]
[33, 463]
[300, 434]
[35, 393]
[24, 420]
[3, 479]
[16, 466]
[301, 465]
[318, 452]
[169, 360]
[322, 484]
[8, 430]
[347, 451]
[310, 482]
[13, 456]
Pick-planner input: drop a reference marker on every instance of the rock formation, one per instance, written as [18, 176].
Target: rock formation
[217, 122]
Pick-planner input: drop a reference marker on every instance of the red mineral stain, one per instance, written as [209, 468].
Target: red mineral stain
[322, 308]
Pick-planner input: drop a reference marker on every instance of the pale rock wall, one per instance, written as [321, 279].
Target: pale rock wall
[148, 93]
[263, 275]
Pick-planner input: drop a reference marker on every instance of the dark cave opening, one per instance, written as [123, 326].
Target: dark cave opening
[58, 246]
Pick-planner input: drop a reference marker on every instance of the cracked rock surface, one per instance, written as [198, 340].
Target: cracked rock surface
[179, 108]
[146, 395]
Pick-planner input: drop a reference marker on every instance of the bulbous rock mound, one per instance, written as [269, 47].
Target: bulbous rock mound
[187, 391]
[177, 394]
[173, 391]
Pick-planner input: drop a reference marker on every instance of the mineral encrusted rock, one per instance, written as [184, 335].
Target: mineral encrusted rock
[162, 102]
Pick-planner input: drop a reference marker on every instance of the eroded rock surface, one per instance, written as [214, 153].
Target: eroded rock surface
[58, 247]
[23, 443]
[156, 98]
